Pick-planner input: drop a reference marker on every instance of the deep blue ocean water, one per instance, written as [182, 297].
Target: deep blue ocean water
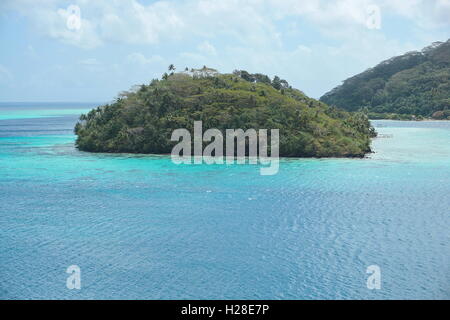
[141, 227]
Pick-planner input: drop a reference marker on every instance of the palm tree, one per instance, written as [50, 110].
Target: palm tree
[172, 67]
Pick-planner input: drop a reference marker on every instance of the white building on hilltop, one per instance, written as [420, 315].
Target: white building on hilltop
[202, 73]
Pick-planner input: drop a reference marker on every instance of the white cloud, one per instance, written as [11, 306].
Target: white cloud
[89, 62]
[140, 59]
[5, 75]
[247, 21]
[425, 13]
[207, 48]
[304, 49]
[129, 21]
[193, 59]
[31, 52]
[312, 43]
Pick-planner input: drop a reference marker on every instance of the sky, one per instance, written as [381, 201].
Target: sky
[89, 51]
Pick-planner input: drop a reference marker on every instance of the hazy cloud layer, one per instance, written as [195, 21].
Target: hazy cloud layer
[313, 43]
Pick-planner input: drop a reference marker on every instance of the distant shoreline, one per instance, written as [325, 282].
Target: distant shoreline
[417, 120]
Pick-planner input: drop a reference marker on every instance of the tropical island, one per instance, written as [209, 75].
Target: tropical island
[142, 120]
[413, 86]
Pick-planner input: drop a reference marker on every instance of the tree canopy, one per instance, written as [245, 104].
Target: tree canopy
[414, 84]
[142, 121]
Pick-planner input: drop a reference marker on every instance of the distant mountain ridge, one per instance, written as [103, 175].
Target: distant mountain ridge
[416, 83]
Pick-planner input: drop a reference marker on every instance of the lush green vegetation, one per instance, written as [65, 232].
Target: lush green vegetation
[416, 83]
[442, 115]
[142, 121]
[394, 116]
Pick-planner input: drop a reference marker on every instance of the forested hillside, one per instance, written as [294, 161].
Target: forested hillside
[142, 120]
[416, 84]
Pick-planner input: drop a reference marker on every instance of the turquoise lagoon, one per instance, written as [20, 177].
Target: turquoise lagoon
[141, 227]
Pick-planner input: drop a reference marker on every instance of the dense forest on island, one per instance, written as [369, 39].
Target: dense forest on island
[142, 120]
[411, 86]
